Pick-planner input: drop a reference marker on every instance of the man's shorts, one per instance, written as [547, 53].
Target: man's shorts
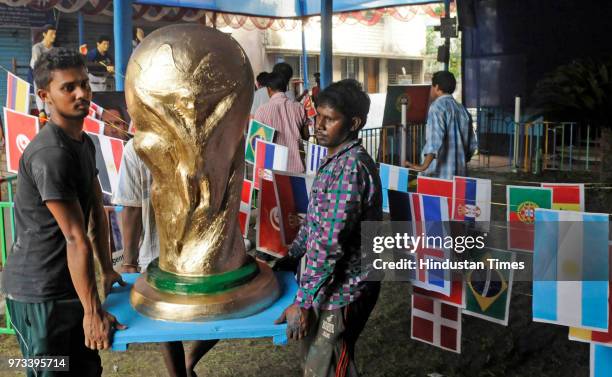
[54, 328]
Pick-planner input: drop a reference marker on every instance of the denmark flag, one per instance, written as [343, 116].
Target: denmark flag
[245, 207]
[436, 323]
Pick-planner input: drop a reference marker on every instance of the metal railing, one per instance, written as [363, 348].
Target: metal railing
[4, 244]
[384, 143]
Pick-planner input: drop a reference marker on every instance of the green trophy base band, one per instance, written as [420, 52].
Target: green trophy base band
[199, 285]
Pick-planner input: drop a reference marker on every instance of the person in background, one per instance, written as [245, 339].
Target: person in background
[101, 66]
[49, 276]
[450, 140]
[114, 126]
[138, 35]
[49, 34]
[336, 292]
[261, 95]
[260, 80]
[316, 88]
[141, 246]
[287, 117]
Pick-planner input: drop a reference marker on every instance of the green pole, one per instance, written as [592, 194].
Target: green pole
[587, 151]
[7, 329]
[562, 144]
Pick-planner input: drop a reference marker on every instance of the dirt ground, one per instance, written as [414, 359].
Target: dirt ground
[524, 348]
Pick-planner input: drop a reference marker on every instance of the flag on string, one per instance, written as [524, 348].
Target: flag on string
[522, 202]
[19, 130]
[399, 205]
[17, 94]
[591, 336]
[457, 292]
[430, 221]
[93, 125]
[116, 240]
[571, 269]
[244, 214]
[268, 156]
[567, 196]
[392, 178]
[472, 201]
[292, 192]
[438, 187]
[488, 291]
[108, 160]
[435, 322]
[257, 130]
[601, 361]
[95, 110]
[314, 158]
[268, 237]
[311, 112]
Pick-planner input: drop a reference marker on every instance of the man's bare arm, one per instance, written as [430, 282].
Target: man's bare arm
[97, 324]
[131, 229]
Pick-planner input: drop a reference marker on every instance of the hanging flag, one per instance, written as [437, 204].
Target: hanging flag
[19, 130]
[244, 214]
[488, 291]
[116, 240]
[95, 110]
[591, 336]
[268, 238]
[268, 156]
[399, 205]
[472, 201]
[392, 178]
[430, 221]
[571, 269]
[17, 94]
[438, 187]
[311, 112]
[108, 160]
[601, 361]
[257, 130]
[292, 196]
[567, 196]
[457, 292]
[522, 202]
[93, 125]
[314, 158]
[436, 323]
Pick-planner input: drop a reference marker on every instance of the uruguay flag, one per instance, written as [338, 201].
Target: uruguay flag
[292, 192]
[314, 157]
[601, 361]
[472, 201]
[392, 178]
[570, 269]
[268, 156]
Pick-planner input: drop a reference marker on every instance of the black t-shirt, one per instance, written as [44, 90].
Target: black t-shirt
[53, 167]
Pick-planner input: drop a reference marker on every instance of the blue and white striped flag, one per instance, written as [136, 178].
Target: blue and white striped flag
[315, 155]
[570, 269]
[392, 178]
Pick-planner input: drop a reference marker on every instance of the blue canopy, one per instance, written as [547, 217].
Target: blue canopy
[281, 8]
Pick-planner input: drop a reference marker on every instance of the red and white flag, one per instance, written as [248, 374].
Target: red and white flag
[437, 187]
[268, 239]
[245, 207]
[95, 110]
[436, 323]
[19, 130]
[311, 112]
[108, 160]
[93, 125]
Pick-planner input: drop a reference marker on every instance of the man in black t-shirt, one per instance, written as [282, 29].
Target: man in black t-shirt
[49, 276]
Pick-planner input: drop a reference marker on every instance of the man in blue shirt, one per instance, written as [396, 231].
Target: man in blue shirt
[450, 140]
[101, 66]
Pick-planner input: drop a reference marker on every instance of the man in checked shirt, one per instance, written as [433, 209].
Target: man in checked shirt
[336, 293]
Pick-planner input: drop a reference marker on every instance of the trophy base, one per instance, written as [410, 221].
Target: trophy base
[241, 301]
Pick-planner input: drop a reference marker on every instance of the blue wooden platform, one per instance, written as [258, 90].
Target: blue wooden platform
[142, 329]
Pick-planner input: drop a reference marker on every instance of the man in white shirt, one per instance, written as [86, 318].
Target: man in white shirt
[49, 33]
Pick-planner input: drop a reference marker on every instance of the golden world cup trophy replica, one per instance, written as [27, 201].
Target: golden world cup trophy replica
[189, 90]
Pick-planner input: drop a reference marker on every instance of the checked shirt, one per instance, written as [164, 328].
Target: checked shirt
[345, 192]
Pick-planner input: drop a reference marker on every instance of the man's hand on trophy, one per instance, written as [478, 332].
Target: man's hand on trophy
[297, 319]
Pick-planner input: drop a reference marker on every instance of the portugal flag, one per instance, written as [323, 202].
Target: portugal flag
[522, 202]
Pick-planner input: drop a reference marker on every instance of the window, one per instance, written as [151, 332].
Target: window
[349, 68]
